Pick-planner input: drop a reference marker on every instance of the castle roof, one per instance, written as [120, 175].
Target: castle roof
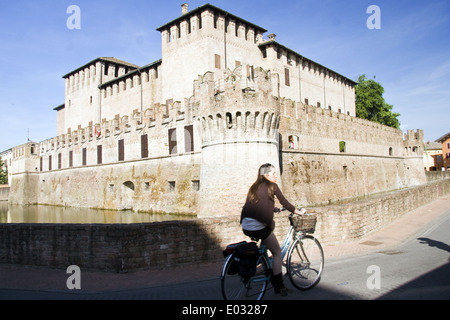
[138, 70]
[105, 59]
[62, 106]
[215, 9]
[443, 138]
[275, 43]
[429, 145]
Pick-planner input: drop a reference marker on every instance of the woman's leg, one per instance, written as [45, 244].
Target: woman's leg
[272, 244]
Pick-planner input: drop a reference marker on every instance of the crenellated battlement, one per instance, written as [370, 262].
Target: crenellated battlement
[208, 19]
[413, 143]
[236, 107]
[310, 123]
[159, 115]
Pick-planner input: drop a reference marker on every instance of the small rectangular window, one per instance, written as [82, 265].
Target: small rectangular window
[70, 159]
[99, 154]
[287, 80]
[189, 138]
[217, 61]
[144, 146]
[84, 156]
[250, 73]
[196, 185]
[171, 186]
[121, 150]
[172, 141]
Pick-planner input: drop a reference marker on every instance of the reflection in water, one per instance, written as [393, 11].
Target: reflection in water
[49, 214]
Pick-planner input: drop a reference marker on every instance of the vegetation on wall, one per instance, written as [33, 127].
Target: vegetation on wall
[3, 173]
[370, 104]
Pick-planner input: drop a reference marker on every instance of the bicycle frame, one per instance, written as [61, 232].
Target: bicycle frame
[288, 240]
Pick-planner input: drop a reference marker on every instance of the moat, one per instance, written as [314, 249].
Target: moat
[50, 214]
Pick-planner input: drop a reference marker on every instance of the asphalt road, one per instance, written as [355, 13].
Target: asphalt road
[416, 269]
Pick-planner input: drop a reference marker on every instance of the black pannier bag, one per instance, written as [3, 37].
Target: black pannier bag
[245, 258]
[230, 250]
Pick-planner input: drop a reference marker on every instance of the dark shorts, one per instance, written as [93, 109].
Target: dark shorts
[259, 234]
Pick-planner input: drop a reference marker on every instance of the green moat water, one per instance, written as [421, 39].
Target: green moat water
[60, 215]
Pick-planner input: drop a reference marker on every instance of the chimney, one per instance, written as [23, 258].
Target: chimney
[272, 36]
[184, 8]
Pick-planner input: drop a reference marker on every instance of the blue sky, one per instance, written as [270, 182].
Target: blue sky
[409, 55]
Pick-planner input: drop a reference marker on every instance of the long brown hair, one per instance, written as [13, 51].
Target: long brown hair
[252, 195]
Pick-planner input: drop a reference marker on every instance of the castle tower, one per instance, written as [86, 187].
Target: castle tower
[204, 39]
[239, 125]
[83, 99]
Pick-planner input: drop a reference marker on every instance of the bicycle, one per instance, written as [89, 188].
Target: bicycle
[304, 263]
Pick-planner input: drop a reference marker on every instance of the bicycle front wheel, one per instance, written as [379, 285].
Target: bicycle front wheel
[235, 287]
[305, 262]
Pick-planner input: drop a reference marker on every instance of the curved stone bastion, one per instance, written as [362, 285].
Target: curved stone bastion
[143, 246]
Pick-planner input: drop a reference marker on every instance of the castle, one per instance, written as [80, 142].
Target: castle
[187, 133]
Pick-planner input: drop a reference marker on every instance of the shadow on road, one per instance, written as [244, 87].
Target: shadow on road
[435, 244]
[434, 285]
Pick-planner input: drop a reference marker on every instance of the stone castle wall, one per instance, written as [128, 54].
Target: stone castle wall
[202, 156]
[83, 169]
[336, 156]
[168, 244]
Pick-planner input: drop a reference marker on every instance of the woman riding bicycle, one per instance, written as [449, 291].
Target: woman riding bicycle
[257, 218]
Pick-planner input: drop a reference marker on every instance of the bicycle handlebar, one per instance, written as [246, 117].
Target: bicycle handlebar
[292, 213]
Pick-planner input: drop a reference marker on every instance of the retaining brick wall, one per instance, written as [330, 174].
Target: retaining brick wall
[4, 192]
[165, 244]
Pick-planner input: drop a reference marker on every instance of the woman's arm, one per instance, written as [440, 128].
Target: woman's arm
[286, 204]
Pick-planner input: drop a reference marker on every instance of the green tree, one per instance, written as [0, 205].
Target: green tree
[371, 105]
[3, 174]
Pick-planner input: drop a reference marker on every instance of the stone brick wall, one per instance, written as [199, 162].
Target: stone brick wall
[166, 244]
[344, 222]
[4, 192]
[437, 175]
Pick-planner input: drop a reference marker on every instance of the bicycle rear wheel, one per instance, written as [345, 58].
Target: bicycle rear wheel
[305, 262]
[235, 287]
